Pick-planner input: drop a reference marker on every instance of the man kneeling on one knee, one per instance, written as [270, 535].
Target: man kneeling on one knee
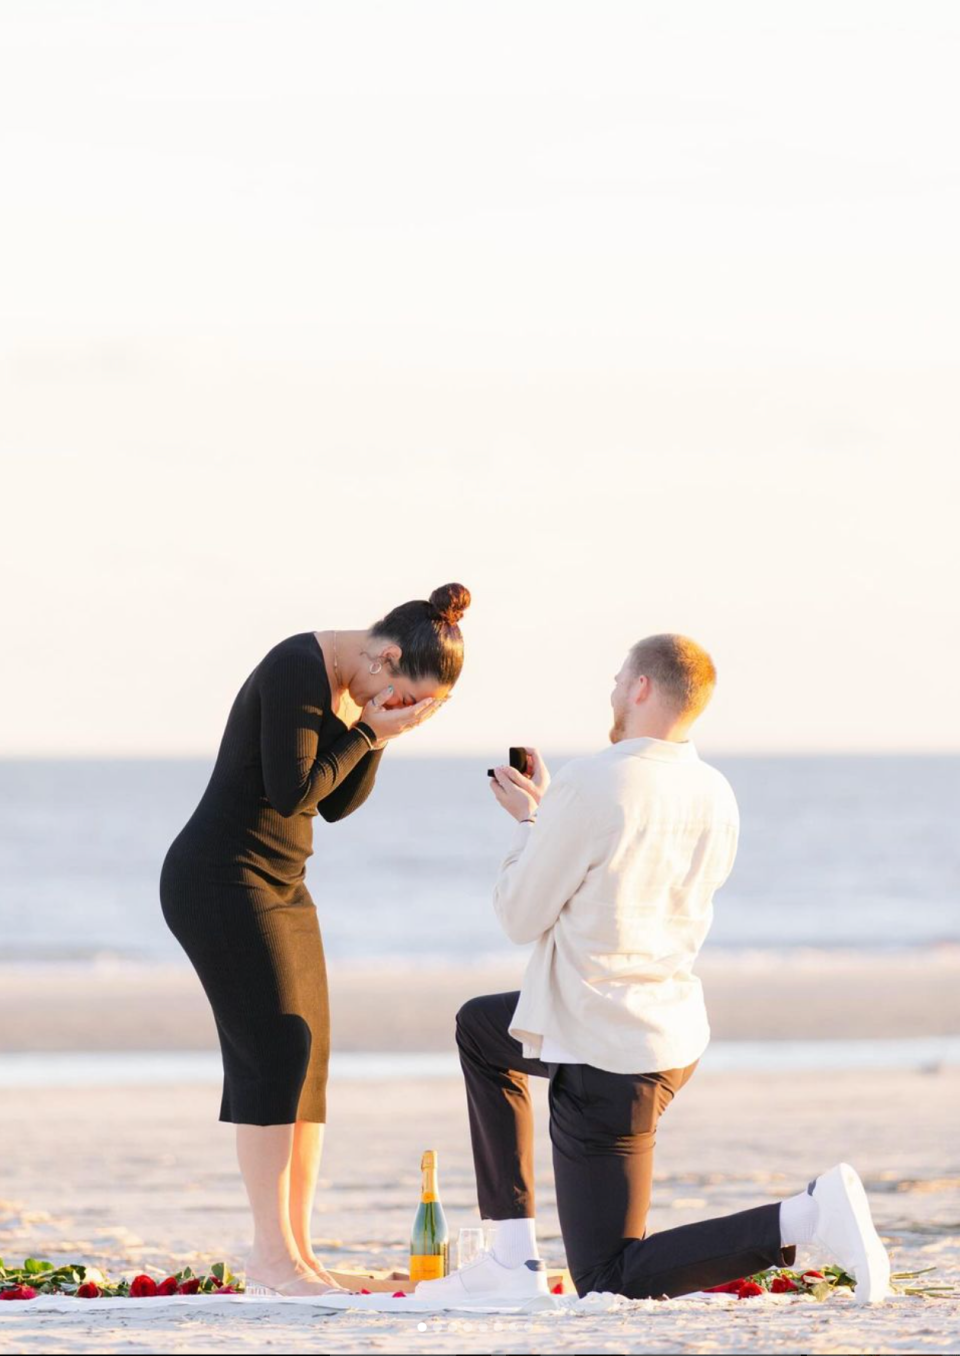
[611, 875]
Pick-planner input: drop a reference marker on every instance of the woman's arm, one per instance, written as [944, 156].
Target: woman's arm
[353, 790]
[295, 773]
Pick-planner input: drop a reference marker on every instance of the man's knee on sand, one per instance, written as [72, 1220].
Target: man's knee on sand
[602, 1274]
[607, 1277]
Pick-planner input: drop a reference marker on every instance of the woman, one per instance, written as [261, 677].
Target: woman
[305, 735]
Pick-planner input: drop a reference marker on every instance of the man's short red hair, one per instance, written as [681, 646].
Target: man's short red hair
[679, 668]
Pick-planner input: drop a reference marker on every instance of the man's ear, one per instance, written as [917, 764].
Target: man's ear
[641, 690]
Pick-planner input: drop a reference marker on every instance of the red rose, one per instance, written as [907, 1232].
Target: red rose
[366, 1292]
[398, 1294]
[226, 1290]
[168, 1287]
[749, 1289]
[813, 1276]
[88, 1291]
[781, 1284]
[730, 1288]
[557, 1289]
[189, 1287]
[142, 1286]
[19, 1292]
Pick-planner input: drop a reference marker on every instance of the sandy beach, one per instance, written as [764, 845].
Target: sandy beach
[148, 1182]
[146, 1179]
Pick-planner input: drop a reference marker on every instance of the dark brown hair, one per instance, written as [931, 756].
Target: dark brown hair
[679, 667]
[428, 634]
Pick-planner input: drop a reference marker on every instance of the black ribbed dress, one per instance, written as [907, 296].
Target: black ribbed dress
[232, 885]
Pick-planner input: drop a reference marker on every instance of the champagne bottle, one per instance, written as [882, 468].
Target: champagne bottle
[429, 1238]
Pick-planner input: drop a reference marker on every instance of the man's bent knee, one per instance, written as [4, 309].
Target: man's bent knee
[469, 1016]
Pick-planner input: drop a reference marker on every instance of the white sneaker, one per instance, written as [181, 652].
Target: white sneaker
[486, 1281]
[845, 1229]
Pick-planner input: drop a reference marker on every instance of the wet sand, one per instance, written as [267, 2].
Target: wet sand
[805, 994]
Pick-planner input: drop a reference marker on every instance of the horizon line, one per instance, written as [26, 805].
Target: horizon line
[871, 751]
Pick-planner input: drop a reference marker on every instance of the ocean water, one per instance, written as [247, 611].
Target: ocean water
[855, 852]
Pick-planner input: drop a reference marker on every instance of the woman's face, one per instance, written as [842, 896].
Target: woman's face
[406, 691]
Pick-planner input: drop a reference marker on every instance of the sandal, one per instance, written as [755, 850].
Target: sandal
[253, 1287]
[260, 1289]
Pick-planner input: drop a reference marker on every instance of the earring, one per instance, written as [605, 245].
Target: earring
[376, 666]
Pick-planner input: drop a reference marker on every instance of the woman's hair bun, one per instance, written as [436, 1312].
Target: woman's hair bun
[451, 601]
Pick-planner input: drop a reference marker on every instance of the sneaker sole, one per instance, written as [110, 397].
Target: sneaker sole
[873, 1286]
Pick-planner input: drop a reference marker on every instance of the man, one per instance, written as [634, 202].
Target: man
[611, 876]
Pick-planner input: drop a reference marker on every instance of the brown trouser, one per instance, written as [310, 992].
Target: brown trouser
[603, 1127]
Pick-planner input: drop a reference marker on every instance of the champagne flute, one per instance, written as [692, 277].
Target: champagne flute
[470, 1244]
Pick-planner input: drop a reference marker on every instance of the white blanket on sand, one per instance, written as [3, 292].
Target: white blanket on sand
[381, 1303]
[376, 1303]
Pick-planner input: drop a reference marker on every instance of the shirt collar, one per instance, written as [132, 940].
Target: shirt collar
[662, 750]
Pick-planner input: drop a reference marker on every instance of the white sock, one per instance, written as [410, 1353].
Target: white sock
[515, 1241]
[798, 1219]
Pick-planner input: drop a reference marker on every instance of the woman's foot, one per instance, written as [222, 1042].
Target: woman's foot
[287, 1275]
[316, 1265]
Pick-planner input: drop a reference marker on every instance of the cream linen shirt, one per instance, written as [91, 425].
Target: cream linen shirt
[614, 886]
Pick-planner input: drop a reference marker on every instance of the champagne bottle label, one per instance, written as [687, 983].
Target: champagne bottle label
[427, 1268]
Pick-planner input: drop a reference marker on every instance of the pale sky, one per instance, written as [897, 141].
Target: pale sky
[632, 317]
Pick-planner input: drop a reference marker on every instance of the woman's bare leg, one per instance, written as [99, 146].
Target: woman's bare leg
[264, 1153]
[304, 1170]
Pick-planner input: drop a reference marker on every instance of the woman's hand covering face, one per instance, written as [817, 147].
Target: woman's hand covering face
[389, 722]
